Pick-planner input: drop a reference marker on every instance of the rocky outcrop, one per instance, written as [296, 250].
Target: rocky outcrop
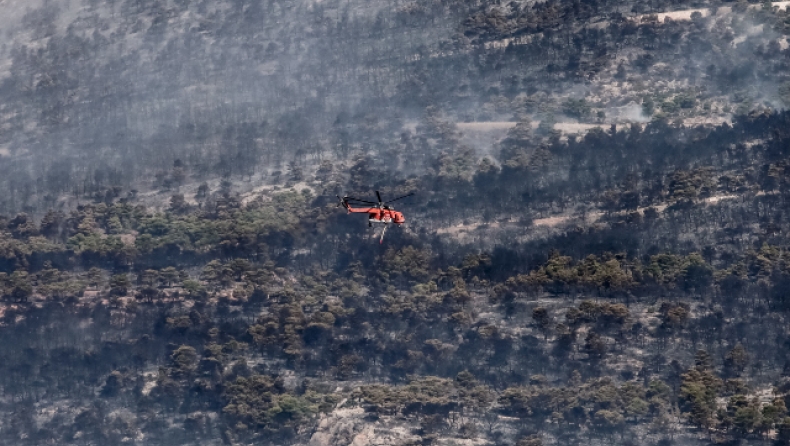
[348, 427]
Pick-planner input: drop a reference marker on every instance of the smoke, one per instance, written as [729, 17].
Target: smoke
[631, 112]
[133, 85]
[12, 12]
[484, 136]
[745, 68]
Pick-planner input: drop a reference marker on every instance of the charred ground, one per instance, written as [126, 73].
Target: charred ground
[174, 268]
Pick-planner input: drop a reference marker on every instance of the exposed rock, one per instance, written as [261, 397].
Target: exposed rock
[348, 427]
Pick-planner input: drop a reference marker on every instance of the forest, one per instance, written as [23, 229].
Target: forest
[596, 251]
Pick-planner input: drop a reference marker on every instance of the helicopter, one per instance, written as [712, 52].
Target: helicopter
[381, 213]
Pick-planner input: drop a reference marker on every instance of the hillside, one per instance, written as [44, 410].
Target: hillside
[596, 251]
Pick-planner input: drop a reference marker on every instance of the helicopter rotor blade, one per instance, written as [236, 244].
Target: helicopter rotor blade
[360, 201]
[396, 199]
[378, 195]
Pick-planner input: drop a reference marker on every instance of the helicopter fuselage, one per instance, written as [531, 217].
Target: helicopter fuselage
[384, 216]
[378, 215]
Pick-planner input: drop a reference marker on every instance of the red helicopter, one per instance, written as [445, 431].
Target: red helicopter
[381, 213]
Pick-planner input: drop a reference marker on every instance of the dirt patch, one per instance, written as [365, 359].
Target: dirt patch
[706, 120]
[575, 127]
[565, 127]
[781, 5]
[265, 189]
[461, 228]
[686, 14]
[503, 43]
[682, 15]
[718, 198]
[551, 221]
[486, 126]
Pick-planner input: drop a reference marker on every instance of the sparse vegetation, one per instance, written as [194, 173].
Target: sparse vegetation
[174, 269]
